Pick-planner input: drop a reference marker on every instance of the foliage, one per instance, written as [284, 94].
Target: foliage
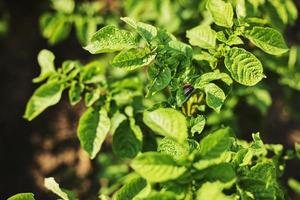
[176, 92]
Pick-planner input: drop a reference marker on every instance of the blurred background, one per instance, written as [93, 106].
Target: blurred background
[48, 146]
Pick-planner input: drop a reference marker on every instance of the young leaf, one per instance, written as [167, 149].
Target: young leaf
[46, 62]
[92, 96]
[243, 66]
[167, 122]
[202, 36]
[22, 196]
[93, 128]
[133, 58]
[75, 93]
[221, 12]
[268, 39]
[157, 167]
[215, 96]
[135, 189]
[111, 39]
[53, 186]
[147, 31]
[46, 95]
[127, 140]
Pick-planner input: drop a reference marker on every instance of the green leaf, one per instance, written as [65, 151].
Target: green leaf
[213, 145]
[85, 28]
[225, 157]
[297, 150]
[260, 98]
[46, 62]
[292, 11]
[134, 189]
[181, 48]
[160, 79]
[197, 124]
[69, 65]
[55, 28]
[215, 96]
[157, 167]
[294, 184]
[223, 172]
[93, 128]
[241, 8]
[202, 36]
[170, 147]
[204, 56]
[111, 39]
[127, 140]
[212, 191]
[133, 58]
[267, 39]
[65, 6]
[93, 73]
[208, 77]
[75, 93]
[221, 12]
[46, 95]
[22, 196]
[167, 122]
[243, 66]
[165, 195]
[53, 186]
[261, 182]
[147, 31]
[234, 40]
[92, 96]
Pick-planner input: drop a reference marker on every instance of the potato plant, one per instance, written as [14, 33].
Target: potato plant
[154, 94]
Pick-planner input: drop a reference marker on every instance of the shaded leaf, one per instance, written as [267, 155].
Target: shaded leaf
[134, 189]
[93, 128]
[127, 140]
[161, 79]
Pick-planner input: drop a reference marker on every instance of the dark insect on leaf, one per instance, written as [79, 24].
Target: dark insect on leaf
[187, 88]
